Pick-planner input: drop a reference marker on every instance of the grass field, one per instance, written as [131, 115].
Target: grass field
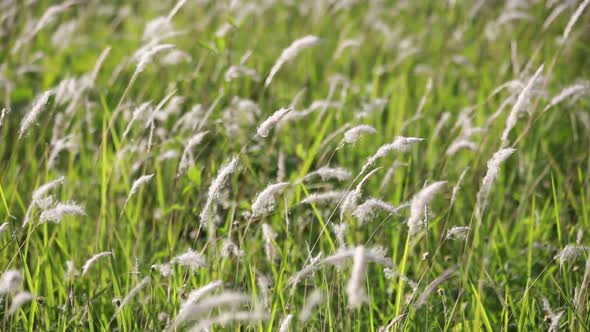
[307, 165]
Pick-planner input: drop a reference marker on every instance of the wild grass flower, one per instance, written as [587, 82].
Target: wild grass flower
[458, 233]
[36, 109]
[326, 173]
[11, 281]
[18, 301]
[366, 211]
[216, 186]
[164, 269]
[569, 253]
[269, 236]
[340, 233]
[266, 200]
[61, 210]
[285, 323]
[187, 159]
[419, 203]
[350, 201]
[444, 276]
[132, 293]
[265, 127]
[521, 103]
[328, 196]
[230, 248]
[311, 302]
[493, 169]
[290, 53]
[90, 262]
[354, 134]
[573, 19]
[400, 143]
[226, 318]
[571, 92]
[191, 259]
[355, 288]
[71, 271]
[138, 183]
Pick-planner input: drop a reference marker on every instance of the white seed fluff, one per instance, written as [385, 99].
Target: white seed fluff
[35, 111]
[88, 264]
[419, 203]
[399, 144]
[10, 281]
[61, 210]
[268, 124]
[289, 53]
[493, 169]
[191, 259]
[18, 301]
[355, 288]
[265, 201]
[216, 186]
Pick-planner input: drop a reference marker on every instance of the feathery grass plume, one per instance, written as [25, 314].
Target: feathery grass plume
[329, 196]
[10, 281]
[216, 187]
[493, 169]
[391, 324]
[553, 316]
[572, 21]
[569, 253]
[326, 173]
[269, 235]
[419, 203]
[366, 211]
[197, 294]
[289, 53]
[18, 301]
[444, 276]
[458, 233]
[333, 135]
[354, 134]
[570, 92]
[88, 264]
[520, 105]
[164, 269]
[145, 55]
[355, 288]
[4, 227]
[266, 200]
[285, 323]
[314, 264]
[132, 293]
[230, 248]
[311, 302]
[194, 310]
[340, 233]
[66, 143]
[40, 193]
[350, 201]
[268, 124]
[186, 160]
[458, 185]
[191, 259]
[71, 271]
[400, 143]
[238, 71]
[36, 109]
[347, 43]
[263, 284]
[2, 116]
[281, 167]
[140, 112]
[371, 255]
[61, 210]
[138, 183]
[460, 144]
[226, 318]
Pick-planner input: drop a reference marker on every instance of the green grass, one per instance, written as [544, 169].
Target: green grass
[537, 206]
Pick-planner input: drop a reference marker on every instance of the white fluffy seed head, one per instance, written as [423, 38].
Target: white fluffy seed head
[399, 144]
[266, 199]
[268, 124]
[88, 264]
[285, 323]
[458, 233]
[10, 282]
[419, 203]
[18, 301]
[216, 187]
[36, 109]
[311, 302]
[289, 53]
[191, 259]
[141, 181]
[61, 210]
[521, 102]
[354, 134]
[42, 191]
[493, 169]
[366, 211]
[326, 173]
[355, 288]
[229, 248]
[329, 196]
[569, 253]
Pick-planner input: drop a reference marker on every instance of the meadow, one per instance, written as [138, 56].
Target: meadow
[312, 165]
